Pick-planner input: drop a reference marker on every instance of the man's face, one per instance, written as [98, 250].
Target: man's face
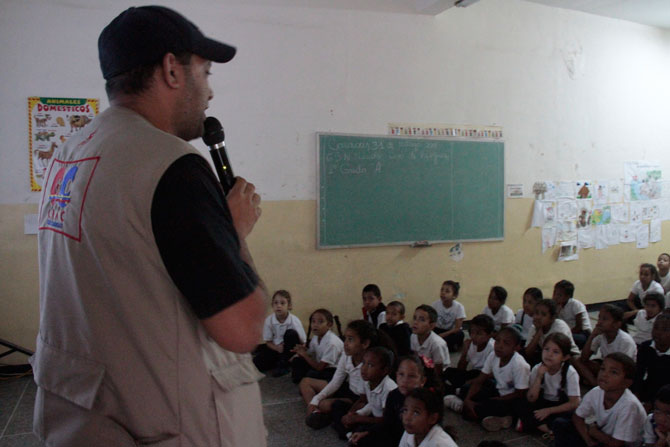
[190, 109]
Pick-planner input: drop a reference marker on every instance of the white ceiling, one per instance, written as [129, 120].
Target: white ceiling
[648, 12]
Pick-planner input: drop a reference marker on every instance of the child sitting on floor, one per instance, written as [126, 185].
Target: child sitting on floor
[619, 416]
[422, 418]
[282, 331]
[450, 316]
[346, 385]
[649, 282]
[377, 362]
[396, 328]
[572, 311]
[657, 426]
[608, 337]
[320, 359]
[654, 303]
[545, 322]
[476, 350]
[496, 309]
[425, 342]
[653, 361]
[374, 310]
[411, 374]
[663, 265]
[554, 387]
[493, 404]
[524, 317]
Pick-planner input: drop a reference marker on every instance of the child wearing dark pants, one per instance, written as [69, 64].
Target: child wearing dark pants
[511, 374]
[450, 316]
[653, 361]
[320, 360]
[266, 359]
[554, 387]
[475, 352]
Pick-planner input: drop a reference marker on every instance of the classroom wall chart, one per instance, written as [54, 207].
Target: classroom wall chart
[584, 214]
[51, 121]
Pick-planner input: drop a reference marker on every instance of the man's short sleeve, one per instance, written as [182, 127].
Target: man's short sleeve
[196, 238]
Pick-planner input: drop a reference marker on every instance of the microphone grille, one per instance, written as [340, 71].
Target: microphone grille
[213, 133]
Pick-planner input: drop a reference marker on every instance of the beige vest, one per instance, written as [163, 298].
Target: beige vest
[116, 336]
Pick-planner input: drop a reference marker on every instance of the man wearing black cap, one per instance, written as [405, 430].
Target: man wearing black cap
[149, 296]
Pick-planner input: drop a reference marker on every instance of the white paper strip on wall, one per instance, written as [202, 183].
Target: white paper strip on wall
[601, 237]
[642, 235]
[627, 233]
[548, 238]
[655, 230]
[613, 235]
[585, 237]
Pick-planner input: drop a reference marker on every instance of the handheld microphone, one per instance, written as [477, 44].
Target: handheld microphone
[214, 138]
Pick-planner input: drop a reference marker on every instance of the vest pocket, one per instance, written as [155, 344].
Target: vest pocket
[70, 376]
[237, 374]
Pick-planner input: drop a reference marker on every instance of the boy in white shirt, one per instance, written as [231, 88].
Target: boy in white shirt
[572, 311]
[425, 342]
[619, 415]
[450, 316]
[663, 264]
[374, 310]
[282, 331]
[654, 303]
[511, 374]
[496, 309]
[657, 426]
[608, 338]
[524, 316]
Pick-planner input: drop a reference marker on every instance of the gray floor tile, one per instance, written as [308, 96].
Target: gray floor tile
[21, 421]
[285, 423]
[11, 391]
[27, 440]
[278, 389]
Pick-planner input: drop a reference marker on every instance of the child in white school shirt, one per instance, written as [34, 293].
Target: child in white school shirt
[663, 265]
[619, 415]
[608, 338]
[496, 309]
[422, 418]
[545, 322]
[281, 332]
[572, 311]
[377, 363]
[645, 318]
[649, 282]
[450, 315]
[524, 316]
[425, 342]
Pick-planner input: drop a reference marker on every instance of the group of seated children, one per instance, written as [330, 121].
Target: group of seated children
[384, 384]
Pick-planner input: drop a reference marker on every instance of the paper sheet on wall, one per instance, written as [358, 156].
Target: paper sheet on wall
[568, 251]
[651, 210]
[601, 192]
[612, 233]
[642, 236]
[627, 233]
[544, 212]
[548, 238]
[601, 215]
[584, 210]
[585, 237]
[620, 213]
[566, 209]
[636, 212]
[665, 189]
[665, 209]
[644, 180]
[550, 191]
[615, 191]
[601, 237]
[565, 190]
[655, 230]
[566, 231]
[583, 189]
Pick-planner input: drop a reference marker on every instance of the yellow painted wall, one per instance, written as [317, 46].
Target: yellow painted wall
[283, 246]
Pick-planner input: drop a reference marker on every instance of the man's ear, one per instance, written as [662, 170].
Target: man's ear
[172, 71]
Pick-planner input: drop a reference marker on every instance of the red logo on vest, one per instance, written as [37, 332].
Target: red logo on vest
[65, 194]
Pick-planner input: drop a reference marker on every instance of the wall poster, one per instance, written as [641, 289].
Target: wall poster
[51, 121]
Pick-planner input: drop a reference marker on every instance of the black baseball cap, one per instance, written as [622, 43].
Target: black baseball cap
[143, 35]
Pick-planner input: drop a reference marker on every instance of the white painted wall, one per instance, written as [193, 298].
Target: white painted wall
[577, 94]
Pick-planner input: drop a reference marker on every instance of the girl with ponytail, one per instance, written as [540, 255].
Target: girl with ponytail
[554, 387]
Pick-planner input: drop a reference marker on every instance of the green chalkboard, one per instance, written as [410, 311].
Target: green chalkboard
[382, 190]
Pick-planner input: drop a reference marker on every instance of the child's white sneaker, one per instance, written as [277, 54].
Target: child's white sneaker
[495, 423]
[453, 402]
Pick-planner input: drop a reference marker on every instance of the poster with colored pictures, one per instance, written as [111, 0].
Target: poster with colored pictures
[51, 121]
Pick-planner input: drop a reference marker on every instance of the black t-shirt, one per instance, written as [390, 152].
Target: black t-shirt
[196, 238]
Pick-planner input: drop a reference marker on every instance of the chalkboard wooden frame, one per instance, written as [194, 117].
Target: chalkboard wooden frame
[341, 185]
